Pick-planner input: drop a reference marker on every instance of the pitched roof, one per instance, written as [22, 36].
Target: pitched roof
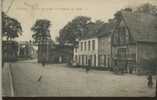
[92, 30]
[142, 26]
[98, 31]
[106, 29]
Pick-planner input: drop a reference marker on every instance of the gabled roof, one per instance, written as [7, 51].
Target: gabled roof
[142, 26]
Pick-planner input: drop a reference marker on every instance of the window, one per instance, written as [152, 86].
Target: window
[127, 37]
[85, 46]
[79, 59]
[105, 60]
[118, 36]
[115, 38]
[121, 52]
[76, 50]
[108, 61]
[85, 59]
[75, 57]
[81, 46]
[122, 35]
[93, 44]
[95, 60]
[82, 59]
[88, 45]
[102, 60]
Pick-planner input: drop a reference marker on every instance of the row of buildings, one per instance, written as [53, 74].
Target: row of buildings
[48, 51]
[124, 45]
[21, 50]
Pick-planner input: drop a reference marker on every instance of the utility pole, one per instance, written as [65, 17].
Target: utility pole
[9, 6]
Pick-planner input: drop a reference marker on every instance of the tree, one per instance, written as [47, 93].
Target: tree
[98, 24]
[42, 38]
[57, 39]
[41, 30]
[147, 8]
[77, 28]
[118, 14]
[11, 28]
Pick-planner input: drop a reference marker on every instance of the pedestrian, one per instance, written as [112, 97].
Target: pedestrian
[150, 81]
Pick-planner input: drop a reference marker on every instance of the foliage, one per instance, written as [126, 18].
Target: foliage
[147, 8]
[42, 38]
[74, 29]
[9, 51]
[79, 27]
[11, 28]
[41, 30]
[144, 8]
[117, 15]
[57, 39]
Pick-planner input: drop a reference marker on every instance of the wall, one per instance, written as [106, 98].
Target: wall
[81, 56]
[61, 54]
[104, 51]
[146, 51]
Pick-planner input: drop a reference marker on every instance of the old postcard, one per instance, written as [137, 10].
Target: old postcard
[79, 48]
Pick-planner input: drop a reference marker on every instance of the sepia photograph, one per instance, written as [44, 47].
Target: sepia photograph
[79, 48]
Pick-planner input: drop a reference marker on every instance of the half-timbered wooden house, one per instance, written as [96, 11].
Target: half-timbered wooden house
[134, 41]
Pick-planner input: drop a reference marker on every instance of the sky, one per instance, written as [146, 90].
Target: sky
[60, 12]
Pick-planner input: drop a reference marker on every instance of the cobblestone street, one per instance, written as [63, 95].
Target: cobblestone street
[61, 80]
